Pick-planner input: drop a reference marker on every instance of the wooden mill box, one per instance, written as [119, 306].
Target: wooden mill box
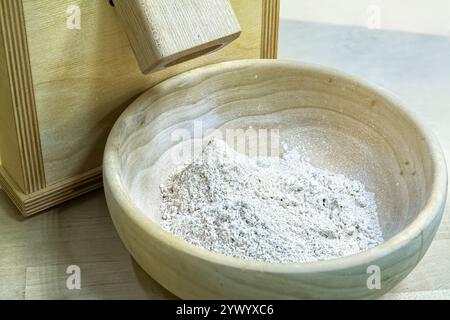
[67, 71]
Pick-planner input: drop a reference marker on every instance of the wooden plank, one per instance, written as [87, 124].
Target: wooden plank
[270, 29]
[22, 156]
[98, 280]
[9, 144]
[420, 295]
[29, 204]
[35, 254]
[12, 286]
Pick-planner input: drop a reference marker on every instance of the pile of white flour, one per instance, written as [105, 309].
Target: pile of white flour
[267, 209]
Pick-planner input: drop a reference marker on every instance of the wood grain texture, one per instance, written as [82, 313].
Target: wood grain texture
[369, 136]
[168, 32]
[28, 173]
[29, 204]
[86, 219]
[9, 143]
[35, 254]
[270, 30]
[93, 83]
[89, 75]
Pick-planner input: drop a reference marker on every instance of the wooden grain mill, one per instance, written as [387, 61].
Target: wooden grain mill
[67, 71]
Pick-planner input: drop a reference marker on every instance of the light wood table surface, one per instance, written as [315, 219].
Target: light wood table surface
[35, 253]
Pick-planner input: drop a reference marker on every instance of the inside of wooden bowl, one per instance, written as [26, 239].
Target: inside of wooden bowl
[340, 125]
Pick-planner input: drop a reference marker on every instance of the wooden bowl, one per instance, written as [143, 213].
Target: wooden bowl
[343, 124]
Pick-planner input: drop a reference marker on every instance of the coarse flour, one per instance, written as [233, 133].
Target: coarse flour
[269, 209]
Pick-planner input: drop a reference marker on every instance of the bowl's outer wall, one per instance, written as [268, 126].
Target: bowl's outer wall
[193, 273]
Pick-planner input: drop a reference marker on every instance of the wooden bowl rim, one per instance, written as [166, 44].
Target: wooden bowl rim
[432, 210]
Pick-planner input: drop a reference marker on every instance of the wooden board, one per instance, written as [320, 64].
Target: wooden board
[8, 139]
[21, 152]
[82, 79]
